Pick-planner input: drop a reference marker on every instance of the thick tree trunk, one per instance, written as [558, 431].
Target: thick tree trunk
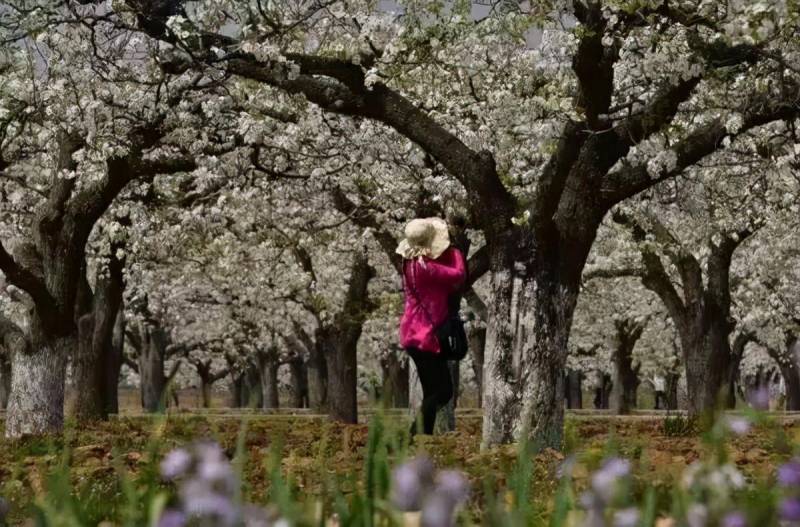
[12, 340]
[706, 355]
[672, 380]
[626, 377]
[530, 314]
[318, 375]
[602, 393]
[96, 360]
[342, 342]
[732, 379]
[268, 368]
[574, 389]
[205, 392]
[793, 383]
[87, 374]
[114, 365]
[36, 405]
[789, 364]
[299, 380]
[235, 390]
[477, 345]
[734, 365]
[152, 380]
[395, 386]
[343, 379]
[252, 395]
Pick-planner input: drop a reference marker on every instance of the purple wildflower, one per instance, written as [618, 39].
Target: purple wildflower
[626, 517]
[453, 485]
[410, 482]
[604, 481]
[616, 467]
[406, 488]
[175, 464]
[438, 511]
[591, 501]
[759, 398]
[789, 510]
[789, 474]
[739, 425]
[734, 519]
[172, 518]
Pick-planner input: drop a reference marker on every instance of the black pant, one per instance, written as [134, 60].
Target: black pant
[437, 386]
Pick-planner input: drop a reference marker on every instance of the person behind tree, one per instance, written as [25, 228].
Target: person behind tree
[433, 272]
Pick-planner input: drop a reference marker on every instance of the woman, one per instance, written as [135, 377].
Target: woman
[432, 272]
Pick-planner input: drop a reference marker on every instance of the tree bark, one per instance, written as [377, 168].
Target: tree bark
[793, 383]
[626, 377]
[96, 361]
[574, 389]
[732, 374]
[299, 380]
[268, 364]
[318, 373]
[235, 390]
[205, 392]
[36, 405]
[789, 363]
[395, 387]
[702, 313]
[477, 344]
[5, 381]
[343, 339]
[12, 341]
[672, 380]
[152, 379]
[706, 356]
[602, 393]
[252, 391]
[114, 364]
[530, 314]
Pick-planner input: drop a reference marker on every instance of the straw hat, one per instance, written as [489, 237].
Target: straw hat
[424, 237]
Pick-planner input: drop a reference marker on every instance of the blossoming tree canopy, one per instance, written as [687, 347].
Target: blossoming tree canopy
[288, 115]
[644, 74]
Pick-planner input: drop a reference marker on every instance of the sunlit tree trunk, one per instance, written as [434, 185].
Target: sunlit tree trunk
[36, 405]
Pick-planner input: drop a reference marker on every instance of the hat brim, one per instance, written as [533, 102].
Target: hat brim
[439, 243]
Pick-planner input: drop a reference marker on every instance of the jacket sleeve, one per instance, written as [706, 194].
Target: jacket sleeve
[451, 271]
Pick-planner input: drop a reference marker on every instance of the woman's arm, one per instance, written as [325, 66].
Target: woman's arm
[450, 268]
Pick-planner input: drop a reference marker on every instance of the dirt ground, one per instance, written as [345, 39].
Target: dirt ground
[314, 452]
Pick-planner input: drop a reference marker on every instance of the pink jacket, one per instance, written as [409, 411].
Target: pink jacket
[429, 283]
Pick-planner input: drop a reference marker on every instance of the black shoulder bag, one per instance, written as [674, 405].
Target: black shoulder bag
[451, 334]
